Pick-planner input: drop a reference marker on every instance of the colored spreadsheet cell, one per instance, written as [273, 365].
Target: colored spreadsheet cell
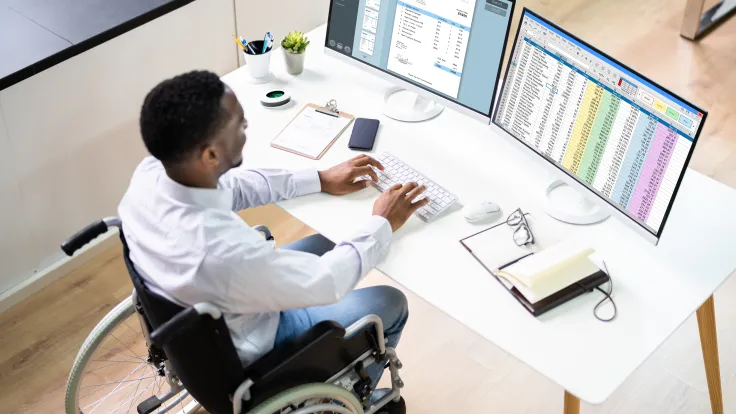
[599, 137]
[634, 160]
[623, 129]
[583, 127]
[660, 106]
[672, 113]
[652, 172]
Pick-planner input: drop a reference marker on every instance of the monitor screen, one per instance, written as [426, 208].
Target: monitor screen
[452, 48]
[619, 134]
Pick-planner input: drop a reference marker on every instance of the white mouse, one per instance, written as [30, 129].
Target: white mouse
[482, 211]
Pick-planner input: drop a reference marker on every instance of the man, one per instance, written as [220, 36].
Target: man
[189, 245]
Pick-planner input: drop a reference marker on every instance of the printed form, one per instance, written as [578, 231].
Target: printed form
[429, 42]
[370, 24]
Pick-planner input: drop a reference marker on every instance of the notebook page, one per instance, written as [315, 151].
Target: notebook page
[496, 247]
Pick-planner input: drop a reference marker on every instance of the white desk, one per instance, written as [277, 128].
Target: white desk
[656, 288]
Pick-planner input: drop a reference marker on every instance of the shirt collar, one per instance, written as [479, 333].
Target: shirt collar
[218, 198]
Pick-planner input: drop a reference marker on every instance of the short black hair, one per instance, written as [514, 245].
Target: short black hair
[180, 115]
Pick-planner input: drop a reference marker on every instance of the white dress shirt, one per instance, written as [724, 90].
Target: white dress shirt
[191, 247]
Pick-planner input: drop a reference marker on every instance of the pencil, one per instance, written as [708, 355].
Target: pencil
[239, 43]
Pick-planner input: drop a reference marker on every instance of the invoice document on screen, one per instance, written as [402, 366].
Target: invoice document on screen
[429, 42]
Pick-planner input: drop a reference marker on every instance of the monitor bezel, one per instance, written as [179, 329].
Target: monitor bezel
[570, 178]
[420, 89]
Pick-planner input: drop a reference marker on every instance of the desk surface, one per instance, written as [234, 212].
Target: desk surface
[656, 288]
[38, 34]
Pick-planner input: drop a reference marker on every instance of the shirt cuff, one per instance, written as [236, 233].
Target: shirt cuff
[381, 229]
[307, 182]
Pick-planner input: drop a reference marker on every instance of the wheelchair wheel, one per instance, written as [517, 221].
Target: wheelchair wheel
[311, 399]
[113, 371]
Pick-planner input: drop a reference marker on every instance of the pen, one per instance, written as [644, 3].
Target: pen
[247, 45]
[266, 40]
[240, 43]
[512, 262]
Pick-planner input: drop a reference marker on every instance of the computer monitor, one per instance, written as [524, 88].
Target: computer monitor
[614, 133]
[436, 51]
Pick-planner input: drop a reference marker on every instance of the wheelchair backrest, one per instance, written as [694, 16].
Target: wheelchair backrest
[202, 356]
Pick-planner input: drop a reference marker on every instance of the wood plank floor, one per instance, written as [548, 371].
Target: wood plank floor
[448, 368]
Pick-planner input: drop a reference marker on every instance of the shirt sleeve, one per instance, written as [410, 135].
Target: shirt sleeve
[278, 279]
[253, 188]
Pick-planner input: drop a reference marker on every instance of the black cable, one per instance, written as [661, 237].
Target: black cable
[607, 297]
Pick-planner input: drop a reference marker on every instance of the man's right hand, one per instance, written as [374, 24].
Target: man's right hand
[395, 204]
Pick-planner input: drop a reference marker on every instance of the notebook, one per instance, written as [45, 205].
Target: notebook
[550, 270]
[541, 276]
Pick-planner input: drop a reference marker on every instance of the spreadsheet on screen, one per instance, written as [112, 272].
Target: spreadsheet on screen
[621, 136]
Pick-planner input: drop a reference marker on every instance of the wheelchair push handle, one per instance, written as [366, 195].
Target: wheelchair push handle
[87, 234]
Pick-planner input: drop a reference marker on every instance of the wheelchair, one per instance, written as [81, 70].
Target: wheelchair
[150, 355]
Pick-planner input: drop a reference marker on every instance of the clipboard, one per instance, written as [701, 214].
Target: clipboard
[329, 110]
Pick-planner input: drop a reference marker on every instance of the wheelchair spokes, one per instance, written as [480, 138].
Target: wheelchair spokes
[120, 374]
[316, 406]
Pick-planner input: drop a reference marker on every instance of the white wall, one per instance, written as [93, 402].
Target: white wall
[69, 137]
[69, 141]
[279, 17]
[18, 253]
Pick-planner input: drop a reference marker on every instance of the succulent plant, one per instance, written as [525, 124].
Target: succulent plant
[295, 42]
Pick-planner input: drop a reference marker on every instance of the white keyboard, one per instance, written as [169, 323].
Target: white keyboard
[396, 172]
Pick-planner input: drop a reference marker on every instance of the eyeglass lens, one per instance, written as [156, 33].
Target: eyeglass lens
[522, 235]
[514, 218]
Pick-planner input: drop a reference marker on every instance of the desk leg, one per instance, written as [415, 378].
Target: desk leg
[572, 404]
[709, 343]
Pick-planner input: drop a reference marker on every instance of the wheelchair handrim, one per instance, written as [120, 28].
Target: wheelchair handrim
[88, 365]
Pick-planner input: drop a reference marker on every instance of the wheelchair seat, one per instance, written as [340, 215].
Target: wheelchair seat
[201, 354]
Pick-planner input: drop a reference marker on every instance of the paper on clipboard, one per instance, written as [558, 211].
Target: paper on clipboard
[311, 132]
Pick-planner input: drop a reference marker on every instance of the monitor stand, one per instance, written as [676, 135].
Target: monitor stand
[408, 106]
[567, 204]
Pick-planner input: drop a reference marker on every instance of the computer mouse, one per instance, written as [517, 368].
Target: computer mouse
[485, 210]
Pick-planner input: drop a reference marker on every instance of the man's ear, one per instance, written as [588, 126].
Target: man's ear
[209, 155]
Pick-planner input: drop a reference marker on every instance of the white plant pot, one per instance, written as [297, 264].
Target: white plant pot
[294, 62]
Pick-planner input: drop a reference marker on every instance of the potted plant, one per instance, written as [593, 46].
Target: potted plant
[294, 46]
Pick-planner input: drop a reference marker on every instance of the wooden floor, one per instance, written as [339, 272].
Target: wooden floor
[448, 368]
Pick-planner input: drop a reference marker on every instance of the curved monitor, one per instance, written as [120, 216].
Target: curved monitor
[449, 51]
[609, 129]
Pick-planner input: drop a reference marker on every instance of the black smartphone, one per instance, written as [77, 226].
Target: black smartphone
[364, 134]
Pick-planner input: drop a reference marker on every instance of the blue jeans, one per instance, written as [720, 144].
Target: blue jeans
[387, 302]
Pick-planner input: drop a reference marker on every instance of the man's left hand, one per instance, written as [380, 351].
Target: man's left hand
[340, 179]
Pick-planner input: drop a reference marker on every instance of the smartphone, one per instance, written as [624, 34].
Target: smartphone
[364, 134]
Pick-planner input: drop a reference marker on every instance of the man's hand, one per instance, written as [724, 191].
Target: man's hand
[395, 204]
[339, 179]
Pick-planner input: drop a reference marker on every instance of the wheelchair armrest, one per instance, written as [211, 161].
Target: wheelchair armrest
[181, 321]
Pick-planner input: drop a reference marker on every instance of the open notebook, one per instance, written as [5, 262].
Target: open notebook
[541, 276]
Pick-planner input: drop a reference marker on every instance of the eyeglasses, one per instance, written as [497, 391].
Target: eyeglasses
[522, 232]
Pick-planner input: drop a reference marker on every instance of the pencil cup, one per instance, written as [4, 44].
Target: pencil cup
[258, 64]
